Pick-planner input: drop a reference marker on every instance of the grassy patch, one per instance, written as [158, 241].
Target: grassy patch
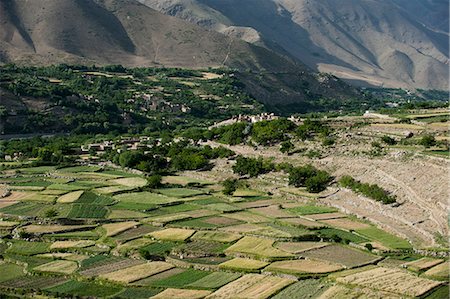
[308, 210]
[63, 267]
[384, 238]
[310, 288]
[84, 211]
[337, 234]
[180, 192]
[84, 289]
[173, 234]
[214, 280]
[182, 279]
[10, 271]
[28, 248]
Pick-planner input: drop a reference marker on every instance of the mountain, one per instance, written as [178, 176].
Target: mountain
[129, 33]
[390, 43]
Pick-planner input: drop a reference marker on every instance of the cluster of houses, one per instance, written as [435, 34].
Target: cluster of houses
[124, 144]
[151, 102]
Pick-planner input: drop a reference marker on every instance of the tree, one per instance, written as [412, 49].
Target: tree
[154, 181]
[299, 175]
[251, 166]
[318, 182]
[428, 141]
[286, 146]
[388, 140]
[229, 186]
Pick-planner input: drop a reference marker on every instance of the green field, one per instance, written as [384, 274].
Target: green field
[84, 289]
[384, 238]
[28, 248]
[308, 210]
[181, 280]
[214, 280]
[180, 192]
[10, 271]
[309, 288]
[83, 211]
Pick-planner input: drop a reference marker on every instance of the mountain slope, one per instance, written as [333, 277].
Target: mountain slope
[129, 33]
[393, 43]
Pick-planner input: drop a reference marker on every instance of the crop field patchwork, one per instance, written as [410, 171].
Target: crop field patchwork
[96, 232]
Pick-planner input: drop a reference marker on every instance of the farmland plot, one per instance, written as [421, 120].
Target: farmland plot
[181, 294]
[244, 265]
[255, 286]
[138, 272]
[257, 247]
[310, 288]
[214, 280]
[63, 267]
[180, 192]
[345, 223]
[10, 271]
[302, 267]
[146, 198]
[272, 211]
[344, 255]
[180, 280]
[84, 289]
[216, 236]
[173, 234]
[33, 282]
[440, 272]
[247, 217]
[70, 197]
[133, 182]
[423, 264]
[86, 211]
[113, 229]
[107, 266]
[71, 244]
[297, 247]
[48, 229]
[391, 280]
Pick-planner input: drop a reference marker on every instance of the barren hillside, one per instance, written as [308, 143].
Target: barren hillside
[391, 43]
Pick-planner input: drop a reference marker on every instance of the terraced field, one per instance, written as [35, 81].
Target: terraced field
[94, 232]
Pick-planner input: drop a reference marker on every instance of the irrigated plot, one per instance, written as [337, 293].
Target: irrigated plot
[180, 192]
[180, 280]
[303, 267]
[125, 214]
[101, 265]
[173, 234]
[145, 198]
[33, 282]
[301, 222]
[308, 210]
[70, 197]
[391, 280]
[138, 272]
[297, 247]
[440, 272]
[84, 289]
[272, 211]
[343, 255]
[244, 265]
[214, 280]
[28, 248]
[10, 271]
[384, 238]
[113, 229]
[48, 229]
[216, 236]
[423, 264]
[248, 217]
[71, 244]
[345, 223]
[181, 294]
[309, 288]
[324, 216]
[87, 211]
[223, 207]
[60, 266]
[255, 286]
[134, 233]
[257, 247]
[133, 182]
